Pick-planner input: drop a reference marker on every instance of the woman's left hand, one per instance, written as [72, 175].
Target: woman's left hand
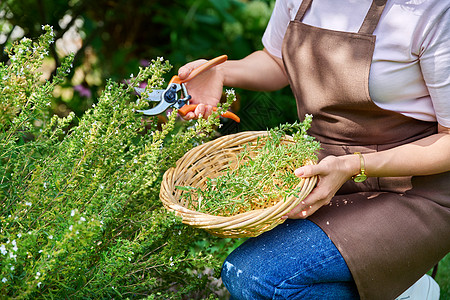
[332, 172]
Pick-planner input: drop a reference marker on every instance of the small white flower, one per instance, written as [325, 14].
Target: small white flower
[4, 280]
[45, 185]
[230, 92]
[72, 213]
[12, 268]
[40, 251]
[70, 227]
[39, 284]
[3, 249]
[28, 203]
[82, 219]
[19, 235]
[50, 237]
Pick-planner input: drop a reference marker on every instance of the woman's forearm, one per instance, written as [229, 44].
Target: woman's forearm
[260, 71]
[427, 156]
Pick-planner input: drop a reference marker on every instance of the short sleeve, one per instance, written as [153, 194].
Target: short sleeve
[435, 66]
[276, 28]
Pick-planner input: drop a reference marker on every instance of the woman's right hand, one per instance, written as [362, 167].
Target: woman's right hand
[205, 89]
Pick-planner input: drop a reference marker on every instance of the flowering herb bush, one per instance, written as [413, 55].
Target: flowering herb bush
[262, 174]
[80, 210]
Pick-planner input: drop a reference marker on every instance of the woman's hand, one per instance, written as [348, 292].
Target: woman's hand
[205, 89]
[332, 172]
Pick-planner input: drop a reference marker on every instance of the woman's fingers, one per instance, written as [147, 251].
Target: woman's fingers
[308, 171]
[310, 204]
[189, 116]
[332, 172]
[202, 110]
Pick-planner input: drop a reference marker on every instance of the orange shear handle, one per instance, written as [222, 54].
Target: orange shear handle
[206, 66]
[191, 107]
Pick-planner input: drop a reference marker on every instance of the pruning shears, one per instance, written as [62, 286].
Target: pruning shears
[168, 98]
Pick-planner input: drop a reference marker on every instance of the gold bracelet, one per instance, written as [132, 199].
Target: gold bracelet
[361, 176]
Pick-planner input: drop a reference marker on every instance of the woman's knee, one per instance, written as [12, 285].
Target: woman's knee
[294, 255]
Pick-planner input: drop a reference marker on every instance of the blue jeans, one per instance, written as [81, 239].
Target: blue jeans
[295, 260]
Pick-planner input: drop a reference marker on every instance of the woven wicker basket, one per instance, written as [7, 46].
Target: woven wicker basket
[207, 160]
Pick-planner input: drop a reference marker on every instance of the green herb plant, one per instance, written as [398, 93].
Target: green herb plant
[80, 215]
[262, 175]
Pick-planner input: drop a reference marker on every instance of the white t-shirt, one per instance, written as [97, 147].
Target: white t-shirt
[410, 71]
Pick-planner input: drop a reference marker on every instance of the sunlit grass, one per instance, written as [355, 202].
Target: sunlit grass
[443, 277]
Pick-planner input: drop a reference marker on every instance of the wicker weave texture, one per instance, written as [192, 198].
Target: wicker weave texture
[208, 160]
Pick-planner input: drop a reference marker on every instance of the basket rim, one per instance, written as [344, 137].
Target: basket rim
[194, 217]
[226, 223]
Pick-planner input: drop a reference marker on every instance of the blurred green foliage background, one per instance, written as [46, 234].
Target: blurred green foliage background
[111, 38]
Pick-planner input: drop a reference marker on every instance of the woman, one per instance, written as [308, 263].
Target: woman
[376, 78]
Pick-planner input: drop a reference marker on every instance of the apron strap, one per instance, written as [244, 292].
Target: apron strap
[370, 21]
[302, 10]
[372, 17]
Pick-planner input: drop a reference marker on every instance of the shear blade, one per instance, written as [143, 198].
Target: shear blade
[160, 108]
[155, 95]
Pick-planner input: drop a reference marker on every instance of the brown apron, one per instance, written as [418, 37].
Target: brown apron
[390, 231]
